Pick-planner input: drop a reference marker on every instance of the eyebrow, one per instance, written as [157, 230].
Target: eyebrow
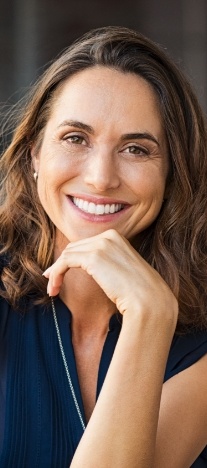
[77, 124]
[140, 136]
[126, 136]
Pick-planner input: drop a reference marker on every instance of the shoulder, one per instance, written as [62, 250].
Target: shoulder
[185, 351]
[182, 431]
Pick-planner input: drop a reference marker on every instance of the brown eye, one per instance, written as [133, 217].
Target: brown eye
[75, 139]
[137, 150]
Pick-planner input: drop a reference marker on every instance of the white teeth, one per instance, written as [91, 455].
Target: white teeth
[107, 209]
[100, 209]
[112, 208]
[84, 205]
[92, 208]
[81, 204]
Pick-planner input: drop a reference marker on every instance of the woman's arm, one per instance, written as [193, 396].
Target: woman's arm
[122, 429]
[182, 426]
[137, 421]
[125, 422]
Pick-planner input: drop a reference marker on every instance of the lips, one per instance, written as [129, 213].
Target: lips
[97, 208]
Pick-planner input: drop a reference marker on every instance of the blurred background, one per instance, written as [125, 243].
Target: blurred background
[33, 32]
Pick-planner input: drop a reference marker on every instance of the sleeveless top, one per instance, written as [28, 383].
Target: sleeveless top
[39, 424]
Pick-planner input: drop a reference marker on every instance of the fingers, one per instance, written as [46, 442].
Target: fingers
[100, 256]
[124, 276]
[56, 272]
[54, 283]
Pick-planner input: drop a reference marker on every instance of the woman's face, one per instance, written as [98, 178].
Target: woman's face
[103, 160]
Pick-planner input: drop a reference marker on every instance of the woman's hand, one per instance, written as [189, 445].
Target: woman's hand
[125, 277]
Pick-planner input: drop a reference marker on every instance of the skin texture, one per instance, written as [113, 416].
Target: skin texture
[103, 164]
[105, 143]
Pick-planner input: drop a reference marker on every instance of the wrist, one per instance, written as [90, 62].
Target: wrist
[150, 321]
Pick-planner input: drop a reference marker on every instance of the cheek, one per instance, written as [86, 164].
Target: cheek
[55, 168]
[147, 184]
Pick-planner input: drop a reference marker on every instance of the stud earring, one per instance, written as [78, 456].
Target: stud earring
[35, 175]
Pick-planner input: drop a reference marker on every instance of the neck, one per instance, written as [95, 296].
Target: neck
[91, 309]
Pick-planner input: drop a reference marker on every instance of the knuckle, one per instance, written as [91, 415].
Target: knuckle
[112, 234]
[95, 254]
[102, 243]
[64, 254]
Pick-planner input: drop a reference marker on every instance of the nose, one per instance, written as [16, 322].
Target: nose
[101, 171]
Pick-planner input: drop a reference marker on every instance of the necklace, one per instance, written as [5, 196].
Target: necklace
[66, 366]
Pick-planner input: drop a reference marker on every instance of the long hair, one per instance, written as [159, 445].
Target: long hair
[176, 243]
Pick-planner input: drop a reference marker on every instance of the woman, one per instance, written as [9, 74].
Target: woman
[103, 264]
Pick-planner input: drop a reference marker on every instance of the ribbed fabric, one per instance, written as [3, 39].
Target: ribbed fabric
[39, 424]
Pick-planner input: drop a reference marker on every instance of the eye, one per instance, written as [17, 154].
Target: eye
[75, 139]
[136, 150]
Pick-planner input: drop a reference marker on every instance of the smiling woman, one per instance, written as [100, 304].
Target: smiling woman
[101, 167]
[103, 321]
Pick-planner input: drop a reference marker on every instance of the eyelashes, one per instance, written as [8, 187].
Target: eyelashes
[77, 141]
[136, 150]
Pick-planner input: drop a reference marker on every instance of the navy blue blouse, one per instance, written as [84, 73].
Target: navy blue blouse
[39, 424]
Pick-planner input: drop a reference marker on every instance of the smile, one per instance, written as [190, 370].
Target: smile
[99, 209]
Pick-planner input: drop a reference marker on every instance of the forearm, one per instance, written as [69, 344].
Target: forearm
[123, 426]
[122, 429]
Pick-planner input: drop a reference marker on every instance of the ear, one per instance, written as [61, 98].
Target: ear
[34, 157]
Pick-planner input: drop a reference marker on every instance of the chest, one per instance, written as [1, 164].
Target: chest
[88, 358]
[39, 423]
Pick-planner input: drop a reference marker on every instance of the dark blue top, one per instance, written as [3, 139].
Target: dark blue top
[39, 424]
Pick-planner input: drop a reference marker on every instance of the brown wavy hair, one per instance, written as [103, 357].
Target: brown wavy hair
[176, 243]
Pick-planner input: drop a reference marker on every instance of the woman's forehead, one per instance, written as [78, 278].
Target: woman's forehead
[105, 94]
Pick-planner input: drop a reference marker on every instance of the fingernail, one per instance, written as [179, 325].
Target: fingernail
[46, 272]
[48, 290]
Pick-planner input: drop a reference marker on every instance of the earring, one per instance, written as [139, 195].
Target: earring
[35, 175]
